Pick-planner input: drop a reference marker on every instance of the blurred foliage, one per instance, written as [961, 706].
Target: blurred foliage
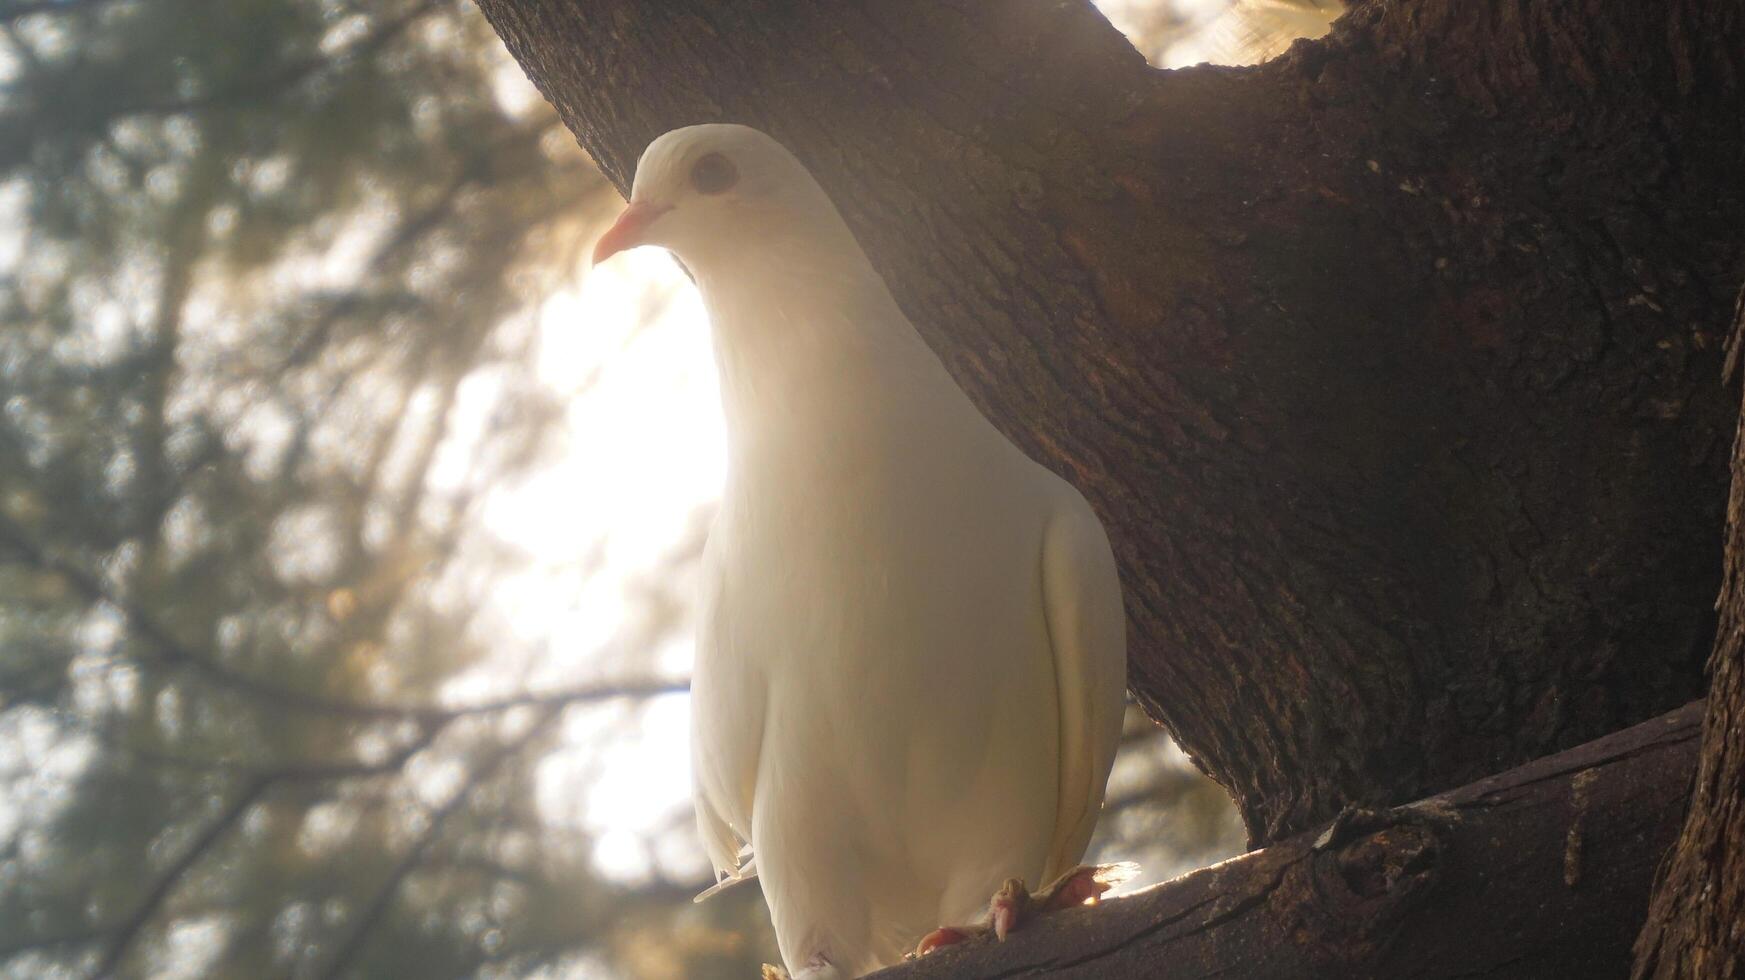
[269, 281]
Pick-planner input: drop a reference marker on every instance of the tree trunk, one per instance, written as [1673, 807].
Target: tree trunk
[1543, 871]
[1392, 365]
[1696, 925]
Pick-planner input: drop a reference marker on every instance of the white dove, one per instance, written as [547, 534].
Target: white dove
[911, 655]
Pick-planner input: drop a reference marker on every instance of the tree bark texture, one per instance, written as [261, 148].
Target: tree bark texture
[1696, 924]
[1541, 872]
[1392, 364]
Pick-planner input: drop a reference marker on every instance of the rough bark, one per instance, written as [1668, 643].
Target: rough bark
[1391, 364]
[1543, 871]
[1696, 924]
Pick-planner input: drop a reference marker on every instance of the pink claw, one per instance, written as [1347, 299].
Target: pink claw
[1083, 885]
[942, 936]
[1005, 917]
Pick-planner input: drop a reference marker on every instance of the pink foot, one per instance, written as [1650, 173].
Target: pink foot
[942, 936]
[1014, 904]
[1009, 907]
[1084, 885]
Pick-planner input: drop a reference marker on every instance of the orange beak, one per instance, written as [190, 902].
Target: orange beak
[627, 231]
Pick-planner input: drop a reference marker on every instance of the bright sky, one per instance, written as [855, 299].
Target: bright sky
[645, 454]
[636, 465]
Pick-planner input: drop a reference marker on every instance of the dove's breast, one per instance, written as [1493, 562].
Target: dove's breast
[882, 589]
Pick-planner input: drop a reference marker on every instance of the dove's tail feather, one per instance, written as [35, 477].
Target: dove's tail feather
[746, 872]
[817, 968]
[728, 852]
[1085, 883]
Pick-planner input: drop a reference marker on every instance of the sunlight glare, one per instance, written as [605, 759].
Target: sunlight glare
[641, 453]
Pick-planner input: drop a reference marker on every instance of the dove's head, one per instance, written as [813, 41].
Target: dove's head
[713, 192]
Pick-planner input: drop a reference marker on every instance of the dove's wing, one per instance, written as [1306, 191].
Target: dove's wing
[727, 708]
[1087, 628]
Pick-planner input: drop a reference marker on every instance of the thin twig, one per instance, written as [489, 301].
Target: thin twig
[19, 9]
[414, 856]
[130, 928]
[123, 935]
[406, 235]
[294, 771]
[172, 652]
[251, 89]
[50, 942]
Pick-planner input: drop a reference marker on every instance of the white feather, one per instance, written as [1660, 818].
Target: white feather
[910, 661]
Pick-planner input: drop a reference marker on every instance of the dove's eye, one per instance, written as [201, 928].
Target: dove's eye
[713, 173]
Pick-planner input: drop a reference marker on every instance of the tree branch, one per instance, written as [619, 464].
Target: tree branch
[20, 9]
[288, 771]
[414, 856]
[172, 652]
[1695, 920]
[1543, 870]
[407, 234]
[259, 781]
[23, 946]
[160, 890]
[251, 89]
